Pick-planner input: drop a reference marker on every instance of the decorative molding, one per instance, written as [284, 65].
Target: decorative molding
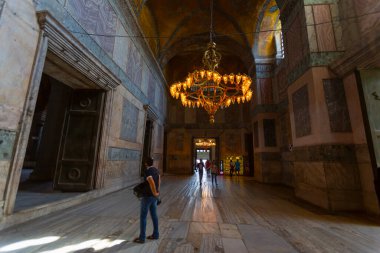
[151, 114]
[361, 57]
[70, 50]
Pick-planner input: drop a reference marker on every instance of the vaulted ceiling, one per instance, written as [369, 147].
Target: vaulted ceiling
[178, 32]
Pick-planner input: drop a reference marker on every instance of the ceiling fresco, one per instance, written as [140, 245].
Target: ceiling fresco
[177, 32]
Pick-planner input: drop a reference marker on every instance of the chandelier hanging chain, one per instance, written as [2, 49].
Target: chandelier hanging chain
[211, 17]
[207, 88]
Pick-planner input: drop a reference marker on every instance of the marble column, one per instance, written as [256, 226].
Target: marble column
[267, 165]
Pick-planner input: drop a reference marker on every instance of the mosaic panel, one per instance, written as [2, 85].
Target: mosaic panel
[123, 154]
[270, 133]
[128, 130]
[96, 17]
[337, 105]
[300, 100]
[7, 139]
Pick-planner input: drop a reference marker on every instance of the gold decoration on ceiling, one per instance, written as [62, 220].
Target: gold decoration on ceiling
[209, 89]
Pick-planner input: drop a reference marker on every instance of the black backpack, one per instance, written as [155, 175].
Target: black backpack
[142, 189]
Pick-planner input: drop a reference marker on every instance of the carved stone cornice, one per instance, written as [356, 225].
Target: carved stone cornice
[366, 56]
[63, 44]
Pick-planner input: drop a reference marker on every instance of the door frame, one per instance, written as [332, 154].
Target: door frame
[368, 133]
[56, 39]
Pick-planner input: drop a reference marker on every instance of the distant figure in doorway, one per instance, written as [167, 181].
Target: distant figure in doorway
[208, 167]
[214, 172]
[200, 166]
[237, 167]
[149, 202]
[232, 165]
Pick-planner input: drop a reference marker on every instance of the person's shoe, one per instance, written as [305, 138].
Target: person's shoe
[151, 237]
[138, 240]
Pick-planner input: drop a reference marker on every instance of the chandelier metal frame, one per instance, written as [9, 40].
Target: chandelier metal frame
[208, 88]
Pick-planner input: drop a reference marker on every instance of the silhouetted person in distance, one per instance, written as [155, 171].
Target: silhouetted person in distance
[237, 167]
[214, 172]
[200, 166]
[232, 165]
[208, 167]
[149, 202]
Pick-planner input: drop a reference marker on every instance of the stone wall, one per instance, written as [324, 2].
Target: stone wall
[124, 57]
[16, 60]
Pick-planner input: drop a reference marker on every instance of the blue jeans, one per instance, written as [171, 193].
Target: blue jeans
[213, 177]
[148, 204]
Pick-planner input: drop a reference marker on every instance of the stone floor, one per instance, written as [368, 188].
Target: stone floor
[238, 216]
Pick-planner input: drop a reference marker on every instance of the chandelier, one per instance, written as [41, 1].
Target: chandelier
[208, 89]
[205, 143]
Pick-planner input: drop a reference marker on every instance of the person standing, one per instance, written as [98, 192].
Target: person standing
[149, 202]
[208, 167]
[214, 172]
[237, 167]
[232, 165]
[200, 171]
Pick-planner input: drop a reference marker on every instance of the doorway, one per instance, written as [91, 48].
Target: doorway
[147, 144]
[60, 158]
[205, 149]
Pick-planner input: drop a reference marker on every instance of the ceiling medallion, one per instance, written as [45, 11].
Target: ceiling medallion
[209, 89]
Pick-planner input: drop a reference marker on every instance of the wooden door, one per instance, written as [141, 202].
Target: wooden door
[79, 142]
[371, 87]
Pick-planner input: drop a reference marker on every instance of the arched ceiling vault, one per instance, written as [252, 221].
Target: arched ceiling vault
[178, 32]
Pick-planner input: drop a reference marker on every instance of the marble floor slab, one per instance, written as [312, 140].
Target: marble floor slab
[238, 216]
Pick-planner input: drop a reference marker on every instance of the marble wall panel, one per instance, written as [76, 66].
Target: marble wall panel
[337, 105]
[270, 132]
[282, 85]
[179, 142]
[2, 2]
[152, 90]
[145, 79]
[256, 134]
[16, 58]
[120, 52]
[129, 123]
[300, 100]
[324, 28]
[123, 154]
[7, 139]
[203, 117]
[368, 13]
[134, 65]
[232, 143]
[159, 136]
[266, 92]
[296, 43]
[98, 18]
